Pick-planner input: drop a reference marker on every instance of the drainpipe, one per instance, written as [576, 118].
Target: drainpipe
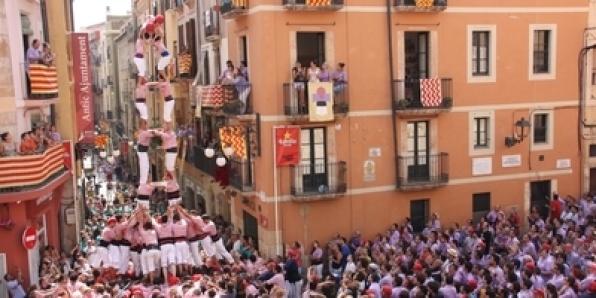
[391, 78]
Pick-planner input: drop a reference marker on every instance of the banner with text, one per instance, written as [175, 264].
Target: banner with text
[287, 145]
[81, 71]
[320, 101]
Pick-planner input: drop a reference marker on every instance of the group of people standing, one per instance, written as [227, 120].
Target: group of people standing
[302, 75]
[237, 77]
[32, 142]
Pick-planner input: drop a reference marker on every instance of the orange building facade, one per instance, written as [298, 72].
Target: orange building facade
[502, 131]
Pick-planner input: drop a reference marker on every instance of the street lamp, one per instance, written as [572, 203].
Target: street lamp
[220, 161]
[116, 152]
[209, 152]
[110, 159]
[102, 154]
[520, 133]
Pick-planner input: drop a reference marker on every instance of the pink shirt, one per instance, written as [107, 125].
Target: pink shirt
[148, 237]
[180, 228]
[145, 189]
[165, 230]
[210, 228]
[140, 46]
[168, 138]
[165, 89]
[108, 234]
[172, 186]
[119, 230]
[141, 92]
[144, 137]
[135, 237]
[195, 227]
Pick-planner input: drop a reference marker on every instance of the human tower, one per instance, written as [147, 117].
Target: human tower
[169, 242]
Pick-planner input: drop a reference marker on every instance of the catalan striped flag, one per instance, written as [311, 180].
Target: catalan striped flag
[318, 2]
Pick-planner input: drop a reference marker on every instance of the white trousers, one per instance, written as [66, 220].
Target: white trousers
[164, 61]
[124, 258]
[182, 253]
[114, 256]
[168, 255]
[149, 260]
[171, 161]
[143, 203]
[294, 290]
[135, 257]
[172, 202]
[222, 252]
[168, 107]
[195, 253]
[142, 108]
[208, 246]
[143, 167]
[141, 66]
[103, 257]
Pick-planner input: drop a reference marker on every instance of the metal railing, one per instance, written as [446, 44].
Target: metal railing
[22, 172]
[233, 7]
[211, 23]
[423, 170]
[408, 95]
[422, 4]
[242, 175]
[312, 4]
[318, 179]
[296, 99]
[233, 99]
[202, 162]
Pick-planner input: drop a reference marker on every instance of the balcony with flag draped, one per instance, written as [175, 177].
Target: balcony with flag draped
[313, 5]
[420, 5]
[422, 96]
[232, 8]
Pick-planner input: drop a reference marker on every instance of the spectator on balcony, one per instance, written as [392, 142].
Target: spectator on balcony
[54, 135]
[313, 72]
[227, 76]
[340, 78]
[33, 57]
[28, 145]
[299, 85]
[325, 74]
[7, 145]
[242, 86]
[40, 139]
[47, 55]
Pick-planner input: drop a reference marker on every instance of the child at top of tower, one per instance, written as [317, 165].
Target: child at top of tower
[151, 33]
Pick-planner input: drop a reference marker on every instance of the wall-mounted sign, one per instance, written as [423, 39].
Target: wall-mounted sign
[70, 216]
[369, 171]
[511, 161]
[374, 152]
[564, 163]
[482, 166]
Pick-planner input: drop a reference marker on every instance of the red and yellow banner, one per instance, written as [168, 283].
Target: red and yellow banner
[287, 145]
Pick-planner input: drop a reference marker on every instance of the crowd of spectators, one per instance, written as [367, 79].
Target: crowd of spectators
[498, 256]
[32, 142]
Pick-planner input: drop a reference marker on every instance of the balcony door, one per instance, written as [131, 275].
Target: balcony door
[418, 151]
[313, 154]
[416, 62]
[310, 46]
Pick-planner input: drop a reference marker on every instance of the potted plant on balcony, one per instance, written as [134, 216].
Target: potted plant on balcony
[402, 104]
[447, 102]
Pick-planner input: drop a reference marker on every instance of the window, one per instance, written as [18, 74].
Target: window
[480, 132]
[480, 205]
[419, 214]
[310, 46]
[244, 49]
[191, 44]
[181, 43]
[540, 128]
[480, 53]
[593, 150]
[313, 158]
[541, 51]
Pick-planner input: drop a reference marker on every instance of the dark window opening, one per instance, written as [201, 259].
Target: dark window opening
[480, 205]
[593, 150]
[244, 49]
[481, 53]
[481, 132]
[310, 47]
[541, 51]
[540, 128]
[419, 214]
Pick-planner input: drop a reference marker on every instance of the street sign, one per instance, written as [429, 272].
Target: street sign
[30, 237]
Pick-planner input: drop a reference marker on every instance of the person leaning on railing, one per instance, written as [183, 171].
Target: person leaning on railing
[7, 145]
[28, 145]
[47, 56]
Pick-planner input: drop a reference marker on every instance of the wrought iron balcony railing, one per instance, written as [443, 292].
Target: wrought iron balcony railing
[423, 95]
[421, 5]
[423, 171]
[242, 175]
[232, 99]
[296, 99]
[232, 8]
[313, 4]
[318, 181]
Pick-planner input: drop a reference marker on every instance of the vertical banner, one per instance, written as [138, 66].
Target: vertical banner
[68, 158]
[287, 145]
[320, 101]
[81, 71]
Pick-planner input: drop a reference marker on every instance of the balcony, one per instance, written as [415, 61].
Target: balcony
[241, 175]
[312, 5]
[25, 172]
[202, 162]
[420, 5]
[312, 182]
[296, 100]
[233, 100]
[411, 100]
[423, 171]
[233, 8]
[211, 24]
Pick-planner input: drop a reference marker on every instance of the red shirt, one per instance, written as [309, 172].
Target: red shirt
[555, 209]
